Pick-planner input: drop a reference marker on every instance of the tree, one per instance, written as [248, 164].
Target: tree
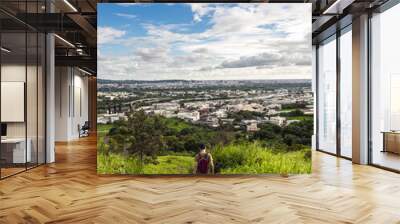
[303, 130]
[268, 131]
[141, 134]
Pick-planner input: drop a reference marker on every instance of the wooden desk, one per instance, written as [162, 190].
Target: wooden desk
[13, 150]
[391, 141]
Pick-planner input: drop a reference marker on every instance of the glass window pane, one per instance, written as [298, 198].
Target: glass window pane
[346, 94]
[31, 97]
[385, 81]
[41, 99]
[13, 86]
[327, 96]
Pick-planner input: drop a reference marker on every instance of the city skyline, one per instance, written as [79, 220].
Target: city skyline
[204, 41]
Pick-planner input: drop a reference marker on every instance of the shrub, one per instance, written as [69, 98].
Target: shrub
[253, 158]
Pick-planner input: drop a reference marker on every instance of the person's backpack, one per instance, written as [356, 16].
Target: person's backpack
[202, 164]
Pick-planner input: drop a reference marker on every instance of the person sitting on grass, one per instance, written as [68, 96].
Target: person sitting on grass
[203, 162]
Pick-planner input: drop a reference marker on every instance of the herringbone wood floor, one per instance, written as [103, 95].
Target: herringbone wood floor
[70, 191]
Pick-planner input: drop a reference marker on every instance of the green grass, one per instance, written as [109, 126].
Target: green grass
[102, 129]
[301, 118]
[243, 158]
[118, 164]
[252, 158]
[176, 124]
[171, 165]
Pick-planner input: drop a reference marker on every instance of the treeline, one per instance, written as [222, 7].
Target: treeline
[292, 137]
[297, 105]
[148, 136]
[245, 115]
[293, 113]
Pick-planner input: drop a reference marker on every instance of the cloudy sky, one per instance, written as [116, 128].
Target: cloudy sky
[204, 41]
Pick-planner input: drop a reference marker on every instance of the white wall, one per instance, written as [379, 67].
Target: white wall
[33, 126]
[62, 81]
[12, 73]
[71, 103]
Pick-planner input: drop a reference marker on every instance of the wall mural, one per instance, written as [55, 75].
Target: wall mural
[204, 88]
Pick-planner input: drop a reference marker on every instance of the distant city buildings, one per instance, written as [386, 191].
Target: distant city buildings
[110, 118]
[199, 103]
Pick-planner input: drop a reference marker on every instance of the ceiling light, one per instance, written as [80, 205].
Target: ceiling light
[84, 71]
[70, 5]
[5, 50]
[79, 51]
[337, 7]
[64, 40]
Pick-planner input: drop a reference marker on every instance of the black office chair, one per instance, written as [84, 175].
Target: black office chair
[84, 130]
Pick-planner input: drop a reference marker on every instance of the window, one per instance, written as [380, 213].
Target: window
[22, 87]
[346, 93]
[385, 89]
[327, 96]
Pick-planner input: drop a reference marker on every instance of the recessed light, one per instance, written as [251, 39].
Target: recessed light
[5, 50]
[64, 40]
[70, 5]
[86, 72]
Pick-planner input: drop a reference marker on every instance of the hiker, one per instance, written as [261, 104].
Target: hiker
[203, 162]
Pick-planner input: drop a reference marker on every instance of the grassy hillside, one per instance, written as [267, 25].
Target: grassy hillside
[171, 165]
[119, 164]
[233, 159]
[272, 149]
[252, 158]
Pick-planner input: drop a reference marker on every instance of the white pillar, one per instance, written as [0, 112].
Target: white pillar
[50, 99]
[360, 89]
[314, 90]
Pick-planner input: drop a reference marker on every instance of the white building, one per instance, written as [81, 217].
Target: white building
[110, 118]
[193, 116]
[221, 113]
[166, 106]
[251, 127]
[281, 121]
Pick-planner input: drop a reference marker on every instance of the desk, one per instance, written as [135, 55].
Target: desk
[391, 141]
[13, 150]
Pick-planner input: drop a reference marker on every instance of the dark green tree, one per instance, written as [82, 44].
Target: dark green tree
[140, 135]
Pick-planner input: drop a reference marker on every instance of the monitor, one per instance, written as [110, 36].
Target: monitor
[3, 129]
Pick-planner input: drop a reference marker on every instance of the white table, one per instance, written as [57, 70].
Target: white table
[19, 153]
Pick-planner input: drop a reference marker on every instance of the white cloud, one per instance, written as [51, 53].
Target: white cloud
[155, 54]
[252, 41]
[200, 10]
[126, 15]
[127, 4]
[108, 34]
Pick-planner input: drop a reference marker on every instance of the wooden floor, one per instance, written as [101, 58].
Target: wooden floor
[70, 191]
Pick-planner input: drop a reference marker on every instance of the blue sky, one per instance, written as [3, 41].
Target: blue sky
[204, 41]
